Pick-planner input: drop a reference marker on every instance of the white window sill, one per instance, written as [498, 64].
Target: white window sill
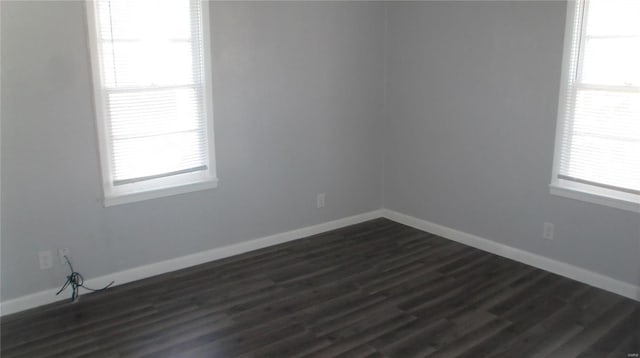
[596, 195]
[119, 199]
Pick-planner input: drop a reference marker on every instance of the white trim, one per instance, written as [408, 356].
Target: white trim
[160, 193]
[154, 269]
[573, 272]
[564, 81]
[610, 198]
[208, 86]
[98, 96]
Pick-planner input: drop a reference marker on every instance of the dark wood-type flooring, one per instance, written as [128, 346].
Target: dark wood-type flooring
[376, 289]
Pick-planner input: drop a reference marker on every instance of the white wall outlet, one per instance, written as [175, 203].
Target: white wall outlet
[547, 232]
[46, 260]
[62, 253]
[320, 200]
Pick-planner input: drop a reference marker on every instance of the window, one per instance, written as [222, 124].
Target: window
[597, 155]
[152, 88]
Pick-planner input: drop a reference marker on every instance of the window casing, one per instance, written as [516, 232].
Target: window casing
[152, 90]
[597, 154]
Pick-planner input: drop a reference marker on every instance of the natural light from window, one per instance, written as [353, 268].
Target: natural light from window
[600, 133]
[152, 71]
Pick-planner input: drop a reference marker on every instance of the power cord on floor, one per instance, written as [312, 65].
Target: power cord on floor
[75, 280]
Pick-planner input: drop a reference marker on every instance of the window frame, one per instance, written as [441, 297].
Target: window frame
[160, 187]
[559, 186]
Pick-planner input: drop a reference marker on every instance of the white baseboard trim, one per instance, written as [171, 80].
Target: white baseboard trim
[573, 272]
[137, 273]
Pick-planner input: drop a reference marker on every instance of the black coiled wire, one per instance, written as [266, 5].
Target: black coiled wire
[75, 280]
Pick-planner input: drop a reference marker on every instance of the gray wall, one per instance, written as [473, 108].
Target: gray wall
[466, 132]
[472, 96]
[298, 105]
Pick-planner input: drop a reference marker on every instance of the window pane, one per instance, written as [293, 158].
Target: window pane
[605, 161]
[600, 110]
[151, 92]
[148, 156]
[144, 19]
[612, 61]
[605, 113]
[149, 63]
[613, 17]
[603, 144]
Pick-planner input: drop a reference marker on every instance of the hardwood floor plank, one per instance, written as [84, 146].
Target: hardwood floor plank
[359, 352]
[592, 333]
[547, 335]
[614, 338]
[370, 315]
[295, 346]
[416, 344]
[464, 345]
[361, 333]
[404, 332]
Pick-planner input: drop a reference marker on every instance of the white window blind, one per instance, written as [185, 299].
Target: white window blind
[599, 144]
[151, 93]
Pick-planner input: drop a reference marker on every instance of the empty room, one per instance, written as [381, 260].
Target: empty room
[189, 178]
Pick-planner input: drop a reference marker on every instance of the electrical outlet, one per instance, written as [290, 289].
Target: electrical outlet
[46, 260]
[320, 200]
[547, 232]
[62, 253]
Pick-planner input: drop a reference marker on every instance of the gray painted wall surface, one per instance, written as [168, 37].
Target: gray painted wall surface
[472, 96]
[467, 134]
[298, 104]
